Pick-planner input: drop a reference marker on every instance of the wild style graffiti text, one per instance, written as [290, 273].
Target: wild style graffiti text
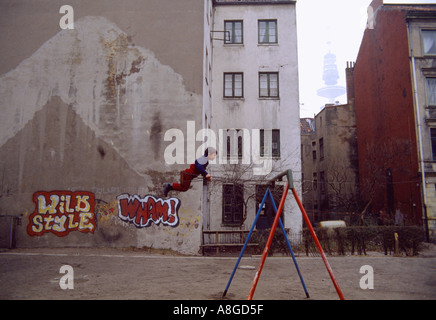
[60, 212]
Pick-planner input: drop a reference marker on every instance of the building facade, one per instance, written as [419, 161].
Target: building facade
[394, 75]
[254, 111]
[330, 162]
[421, 25]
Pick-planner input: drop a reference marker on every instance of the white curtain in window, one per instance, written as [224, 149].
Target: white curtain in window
[228, 32]
[267, 143]
[263, 85]
[431, 91]
[238, 33]
[238, 85]
[233, 32]
[262, 32]
[228, 85]
[272, 32]
[273, 84]
[429, 38]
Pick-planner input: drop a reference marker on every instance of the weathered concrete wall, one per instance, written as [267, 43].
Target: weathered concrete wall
[336, 126]
[87, 109]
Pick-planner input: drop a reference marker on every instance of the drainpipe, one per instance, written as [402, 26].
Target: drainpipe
[419, 122]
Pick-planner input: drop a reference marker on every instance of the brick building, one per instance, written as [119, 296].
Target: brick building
[394, 80]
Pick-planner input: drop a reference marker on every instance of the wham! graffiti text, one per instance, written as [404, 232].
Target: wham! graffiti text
[142, 212]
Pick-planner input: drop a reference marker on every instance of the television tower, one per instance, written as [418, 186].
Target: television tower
[330, 76]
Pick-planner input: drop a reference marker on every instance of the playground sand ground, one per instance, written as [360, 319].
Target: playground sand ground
[121, 274]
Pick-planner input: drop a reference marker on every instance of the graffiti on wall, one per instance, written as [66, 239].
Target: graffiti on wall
[60, 212]
[143, 212]
[189, 221]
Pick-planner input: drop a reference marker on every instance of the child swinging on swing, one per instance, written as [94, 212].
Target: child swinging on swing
[194, 170]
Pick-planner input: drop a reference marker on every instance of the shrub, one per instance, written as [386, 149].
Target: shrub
[278, 244]
[363, 239]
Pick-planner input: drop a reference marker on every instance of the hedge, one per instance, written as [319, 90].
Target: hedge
[348, 240]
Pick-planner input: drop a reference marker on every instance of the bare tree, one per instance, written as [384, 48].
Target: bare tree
[380, 159]
[242, 175]
[343, 187]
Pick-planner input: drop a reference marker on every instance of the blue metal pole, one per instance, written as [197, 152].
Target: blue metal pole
[289, 246]
[246, 242]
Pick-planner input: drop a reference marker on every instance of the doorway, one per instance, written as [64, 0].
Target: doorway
[267, 214]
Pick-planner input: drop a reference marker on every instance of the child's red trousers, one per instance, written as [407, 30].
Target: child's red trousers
[186, 177]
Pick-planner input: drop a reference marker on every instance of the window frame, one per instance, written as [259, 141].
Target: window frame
[267, 31]
[269, 95]
[232, 32]
[424, 53]
[233, 95]
[233, 210]
[234, 142]
[322, 182]
[275, 138]
[433, 142]
[321, 148]
[427, 91]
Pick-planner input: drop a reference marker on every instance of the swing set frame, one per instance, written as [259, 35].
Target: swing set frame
[278, 222]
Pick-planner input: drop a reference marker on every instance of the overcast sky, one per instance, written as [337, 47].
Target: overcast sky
[340, 22]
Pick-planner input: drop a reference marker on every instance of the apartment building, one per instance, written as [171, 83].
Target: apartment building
[254, 111]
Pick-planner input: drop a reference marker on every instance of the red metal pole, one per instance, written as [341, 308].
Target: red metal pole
[321, 251]
[269, 241]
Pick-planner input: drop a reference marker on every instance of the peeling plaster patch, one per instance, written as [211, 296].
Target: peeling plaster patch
[112, 84]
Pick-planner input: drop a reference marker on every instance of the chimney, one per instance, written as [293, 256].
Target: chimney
[372, 12]
[349, 75]
[375, 4]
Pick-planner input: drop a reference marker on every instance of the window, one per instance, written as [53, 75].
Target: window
[270, 143]
[321, 149]
[268, 84]
[433, 142]
[233, 85]
[234, 143]
[267, 31]
[429, 42]
[322, 181]
[431, 91]
[234, 32]
[233, 203]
